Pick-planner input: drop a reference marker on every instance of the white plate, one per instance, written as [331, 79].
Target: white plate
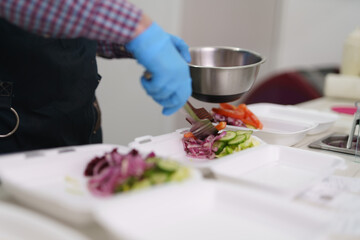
[53, 180]
[17, 223]
[170, 144]
[210, 210]
[279, 131]
[323, 120]
[279, 169]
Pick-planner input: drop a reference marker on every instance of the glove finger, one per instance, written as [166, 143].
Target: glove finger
[167, 92]
[171, 101]
[182, 47]
[151, 86]
[168, 110]
[182, 92]
[186, 90]
[162, 96]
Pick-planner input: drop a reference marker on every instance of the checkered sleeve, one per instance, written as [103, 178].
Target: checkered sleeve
[107, 21]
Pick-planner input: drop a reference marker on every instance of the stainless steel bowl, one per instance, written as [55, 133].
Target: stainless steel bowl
[222, 74]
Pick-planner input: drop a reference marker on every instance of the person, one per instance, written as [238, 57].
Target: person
[48, 71]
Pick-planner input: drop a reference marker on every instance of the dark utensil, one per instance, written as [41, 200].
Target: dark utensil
[356, 122]
[201, 113]
[201, 128]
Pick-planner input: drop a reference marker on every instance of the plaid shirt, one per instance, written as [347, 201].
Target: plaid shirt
[110, 22]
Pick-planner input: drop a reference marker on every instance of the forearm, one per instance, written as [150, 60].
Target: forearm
[116, 21]
[113, 50]
[142, 25]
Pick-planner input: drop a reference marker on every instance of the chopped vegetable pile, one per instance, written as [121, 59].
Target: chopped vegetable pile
[115, 172]
[239, 116]
[220, 145]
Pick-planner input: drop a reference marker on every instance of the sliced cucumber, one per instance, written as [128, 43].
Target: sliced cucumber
[126, 186]
[246, 144]
[168, 165]
[228, 136]
[141, 184]
[237, 148]
[237, 140]
[181, 174]
[223, 153]
[229, 144]
[159, 177]
[246, 133]
[239, 132]
[219, 146]
[149, 172]
[229, 149]
[123, 188]
[255, 142]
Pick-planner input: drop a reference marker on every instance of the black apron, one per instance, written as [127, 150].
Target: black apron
[51, 84]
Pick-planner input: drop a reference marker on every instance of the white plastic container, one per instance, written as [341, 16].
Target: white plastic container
[194, 209]
[211, 210]
[53, 181]
[322, 120]
[171, 145]
[350, 64]
[279, 131]
[20, 223]
[279, 169]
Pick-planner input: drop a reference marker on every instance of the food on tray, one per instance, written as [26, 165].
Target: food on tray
[115, 172]
[240, 116]
[215, 146]
[219, 126]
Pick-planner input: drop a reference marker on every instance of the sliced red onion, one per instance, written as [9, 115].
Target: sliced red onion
[113, 169]
[228, 120]
[202, 149]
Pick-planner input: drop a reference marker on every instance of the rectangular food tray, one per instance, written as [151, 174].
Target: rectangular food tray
[280, 169]
[211, 210]
[322, 120]
[53, 180]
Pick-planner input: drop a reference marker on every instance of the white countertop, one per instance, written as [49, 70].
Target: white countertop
[94, 231]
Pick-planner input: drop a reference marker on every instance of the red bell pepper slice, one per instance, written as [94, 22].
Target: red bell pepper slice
[227, 106]
[220, 126]
[241, 112]
[228, 113]
[189, 135]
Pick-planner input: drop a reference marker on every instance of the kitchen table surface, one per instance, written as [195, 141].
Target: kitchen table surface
[342, 125]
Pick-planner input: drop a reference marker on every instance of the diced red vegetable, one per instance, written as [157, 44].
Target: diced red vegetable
[241, 112]
[220, 126]
[189, 135]
[197, 148]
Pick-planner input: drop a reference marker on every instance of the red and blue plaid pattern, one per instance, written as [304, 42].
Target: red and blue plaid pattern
[110, 22]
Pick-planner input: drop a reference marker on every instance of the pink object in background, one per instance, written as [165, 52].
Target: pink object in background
[346, 110]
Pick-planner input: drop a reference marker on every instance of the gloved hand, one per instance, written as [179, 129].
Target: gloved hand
[165, 57]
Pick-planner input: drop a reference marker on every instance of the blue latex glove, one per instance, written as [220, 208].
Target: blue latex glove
[165, 56]
[182, 47]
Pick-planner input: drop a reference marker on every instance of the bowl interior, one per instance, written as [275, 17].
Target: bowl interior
[222, 57]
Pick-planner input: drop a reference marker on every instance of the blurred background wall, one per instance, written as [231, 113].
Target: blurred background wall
[291, 34]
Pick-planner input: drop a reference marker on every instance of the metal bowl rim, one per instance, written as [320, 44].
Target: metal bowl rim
[229, 48]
